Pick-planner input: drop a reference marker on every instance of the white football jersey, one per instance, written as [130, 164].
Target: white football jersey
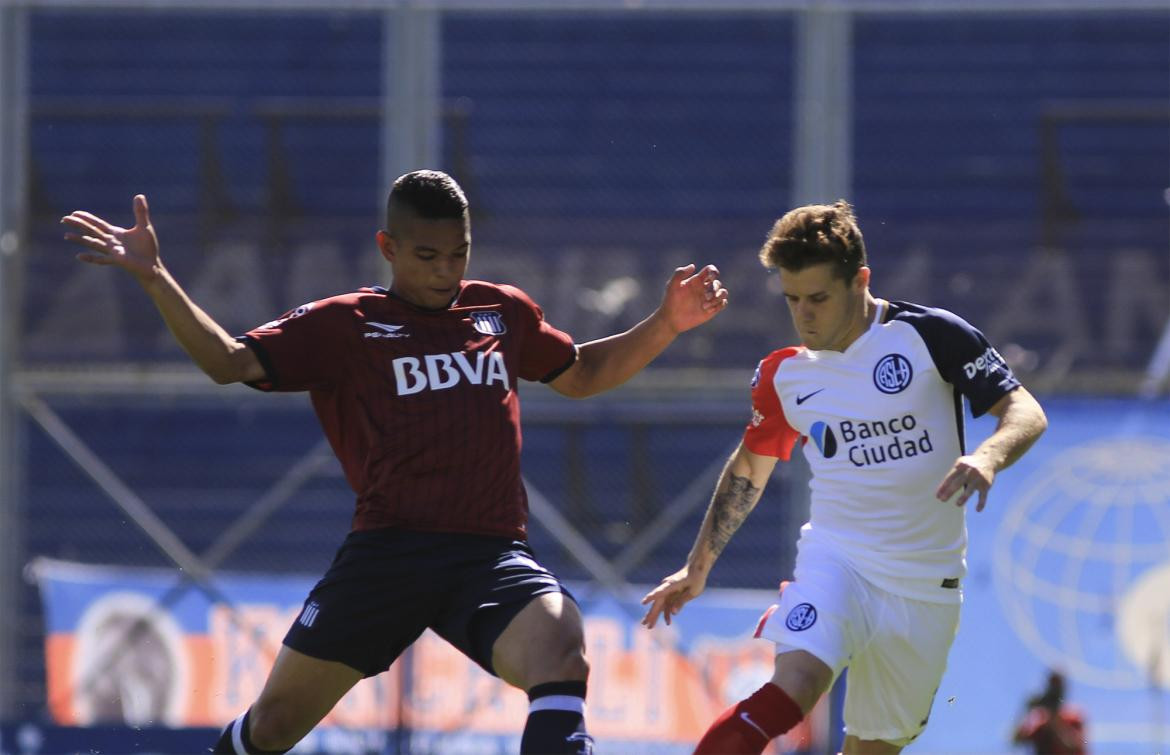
[881, 425]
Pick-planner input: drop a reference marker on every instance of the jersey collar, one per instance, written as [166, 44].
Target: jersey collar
[881, 306]
[450, 305]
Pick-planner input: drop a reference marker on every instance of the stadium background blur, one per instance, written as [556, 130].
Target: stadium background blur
[1007, 160]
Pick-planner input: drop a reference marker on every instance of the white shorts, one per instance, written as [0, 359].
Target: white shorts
[895, 647]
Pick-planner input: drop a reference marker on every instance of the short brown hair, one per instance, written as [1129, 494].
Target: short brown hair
[815, 234]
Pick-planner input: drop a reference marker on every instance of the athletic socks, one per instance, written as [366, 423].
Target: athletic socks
[556, 724]
[747, 727]
[235, 740]
[556, 720]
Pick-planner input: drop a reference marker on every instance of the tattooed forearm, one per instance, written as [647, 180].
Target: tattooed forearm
[729, 509]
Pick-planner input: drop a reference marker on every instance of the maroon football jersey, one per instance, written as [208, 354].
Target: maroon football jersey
[420, 405]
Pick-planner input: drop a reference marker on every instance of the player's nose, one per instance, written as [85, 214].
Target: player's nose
[446, 268]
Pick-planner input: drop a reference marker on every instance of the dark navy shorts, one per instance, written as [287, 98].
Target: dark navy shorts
[386, 586]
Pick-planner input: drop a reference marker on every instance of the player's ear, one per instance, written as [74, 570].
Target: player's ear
[861, 280]
[387, 245]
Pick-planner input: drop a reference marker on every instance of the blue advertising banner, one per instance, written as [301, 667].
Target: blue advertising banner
[1069, 570]
[149, 649]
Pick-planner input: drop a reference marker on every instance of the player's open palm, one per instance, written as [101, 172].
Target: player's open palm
[668, 598]
[692, 298]
[132, 249]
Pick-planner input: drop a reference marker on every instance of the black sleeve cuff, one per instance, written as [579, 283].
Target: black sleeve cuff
[978, 410]
[271, 381]
[559, 370]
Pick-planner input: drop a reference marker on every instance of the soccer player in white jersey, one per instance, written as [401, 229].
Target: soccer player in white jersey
[874, 393]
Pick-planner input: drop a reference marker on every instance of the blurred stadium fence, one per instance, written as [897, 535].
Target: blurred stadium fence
[1007, 160]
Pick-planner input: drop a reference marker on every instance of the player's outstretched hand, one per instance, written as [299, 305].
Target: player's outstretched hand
[692, 298]
[132, 249]
[668, 598]
[969, 475]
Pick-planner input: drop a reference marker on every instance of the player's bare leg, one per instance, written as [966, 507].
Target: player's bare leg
[803, 677]
[748, 726]
[545, 642]
[542, 651]
[299, 692]
[855, 746]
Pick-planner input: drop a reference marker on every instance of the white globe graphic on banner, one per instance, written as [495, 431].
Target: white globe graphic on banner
[1075, 556]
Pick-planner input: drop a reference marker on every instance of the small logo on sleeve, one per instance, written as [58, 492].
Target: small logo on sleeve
[489, 323]
[298, 312]
[988, 362]
[892, 373]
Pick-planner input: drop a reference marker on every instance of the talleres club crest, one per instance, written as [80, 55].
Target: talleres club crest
[489, 323]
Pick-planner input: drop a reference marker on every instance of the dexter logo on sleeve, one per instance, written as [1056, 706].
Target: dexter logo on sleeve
[987, 363]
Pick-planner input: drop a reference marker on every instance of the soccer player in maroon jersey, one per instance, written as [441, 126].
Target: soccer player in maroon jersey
[414, 387]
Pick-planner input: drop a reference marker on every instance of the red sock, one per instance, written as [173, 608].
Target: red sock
[747, 727]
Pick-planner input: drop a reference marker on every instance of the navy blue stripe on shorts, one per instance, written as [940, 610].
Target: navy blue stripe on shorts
[386, 586]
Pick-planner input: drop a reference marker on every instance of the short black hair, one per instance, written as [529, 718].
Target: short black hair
[427, 194]
[816, 234]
